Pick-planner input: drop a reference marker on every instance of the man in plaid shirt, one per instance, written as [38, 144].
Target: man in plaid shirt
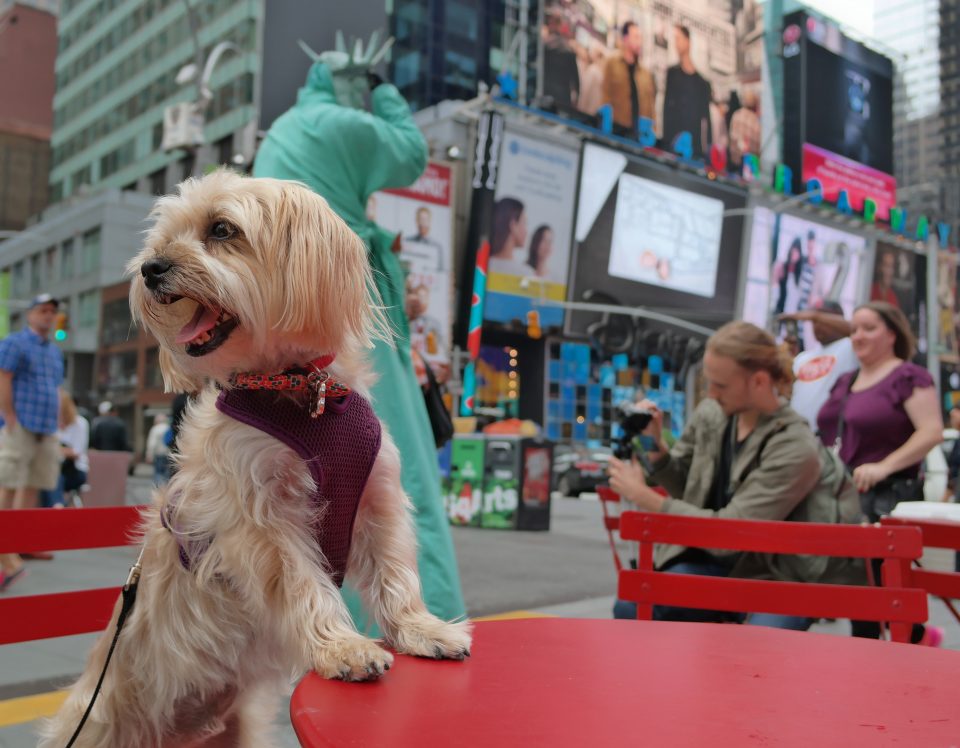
[31, 371]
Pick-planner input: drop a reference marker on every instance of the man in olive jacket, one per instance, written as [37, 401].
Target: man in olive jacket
[744, 455]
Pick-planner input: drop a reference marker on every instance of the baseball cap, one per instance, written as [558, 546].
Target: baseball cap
[43, 298]
[105, 407]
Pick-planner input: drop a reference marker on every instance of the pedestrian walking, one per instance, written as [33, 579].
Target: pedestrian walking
[31, 371]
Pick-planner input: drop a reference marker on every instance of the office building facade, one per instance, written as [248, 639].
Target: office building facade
[911, 29]
[28, 44]
[116, 73]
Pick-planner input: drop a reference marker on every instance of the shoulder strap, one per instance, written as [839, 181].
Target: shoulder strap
[841, 418]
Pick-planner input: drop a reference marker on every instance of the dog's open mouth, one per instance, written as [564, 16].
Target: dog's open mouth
[207, 330]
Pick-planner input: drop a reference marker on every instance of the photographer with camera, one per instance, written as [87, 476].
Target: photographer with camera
[745, 454]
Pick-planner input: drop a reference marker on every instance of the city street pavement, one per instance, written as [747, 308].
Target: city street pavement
[567, 571]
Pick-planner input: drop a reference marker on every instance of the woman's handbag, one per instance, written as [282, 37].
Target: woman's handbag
[440, 420]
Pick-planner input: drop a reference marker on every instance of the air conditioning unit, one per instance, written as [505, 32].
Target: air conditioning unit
[182, 126]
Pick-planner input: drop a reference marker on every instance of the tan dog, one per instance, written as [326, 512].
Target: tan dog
[251, 275]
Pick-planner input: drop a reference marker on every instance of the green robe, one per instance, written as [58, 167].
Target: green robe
[345, 155]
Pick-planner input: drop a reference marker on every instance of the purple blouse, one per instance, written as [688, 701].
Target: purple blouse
[875, 422]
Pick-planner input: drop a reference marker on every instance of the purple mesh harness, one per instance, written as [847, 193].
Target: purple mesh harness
[339, 448]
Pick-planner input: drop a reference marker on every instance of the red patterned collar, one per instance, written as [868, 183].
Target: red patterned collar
[311, 376]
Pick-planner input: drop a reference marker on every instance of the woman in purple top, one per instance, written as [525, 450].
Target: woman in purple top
[889, 418]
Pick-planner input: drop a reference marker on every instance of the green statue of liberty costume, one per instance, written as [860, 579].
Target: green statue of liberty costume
[345, 154]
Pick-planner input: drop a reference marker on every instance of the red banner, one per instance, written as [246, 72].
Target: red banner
[433, 186]
[838, 173]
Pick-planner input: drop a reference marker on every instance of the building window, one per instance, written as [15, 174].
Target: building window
[117, 323]
[51, 269]
[152, 373]
[88, 303]
[90, 251]
[18, 281]
[186, 165]
[66, 259]
[225, 150]
[158, 182]
[35, 273]
[118, 371]
[80, 177]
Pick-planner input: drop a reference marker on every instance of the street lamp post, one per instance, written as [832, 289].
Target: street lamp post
[183, 123]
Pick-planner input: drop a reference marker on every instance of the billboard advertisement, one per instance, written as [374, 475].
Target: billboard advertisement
[422, 216]
[900, 278]
[649, 235]
[532, 223]
[837, 173]
[695, 69]
[948, 307]
[838, 96]
[796, 264]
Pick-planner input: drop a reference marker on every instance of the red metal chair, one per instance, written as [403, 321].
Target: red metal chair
[894, 603]
[31, 617]
[936, 534]
[611, 521]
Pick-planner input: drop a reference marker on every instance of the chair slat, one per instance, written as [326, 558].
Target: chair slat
[773, 537]
[936, 533]
[762, 596]
[33, 617]
[32, 530]
[938, 583]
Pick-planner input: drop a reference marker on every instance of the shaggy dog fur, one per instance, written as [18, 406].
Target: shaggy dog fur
[207, 653]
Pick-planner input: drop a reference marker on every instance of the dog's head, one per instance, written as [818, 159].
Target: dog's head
[242, 274]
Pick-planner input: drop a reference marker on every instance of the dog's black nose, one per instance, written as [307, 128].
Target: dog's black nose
[153, 270]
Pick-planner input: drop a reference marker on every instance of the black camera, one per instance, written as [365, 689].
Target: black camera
[633, 420]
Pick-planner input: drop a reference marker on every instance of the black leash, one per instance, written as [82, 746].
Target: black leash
[129, 594]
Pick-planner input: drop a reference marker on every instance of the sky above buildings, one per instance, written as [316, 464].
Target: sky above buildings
[857, 14]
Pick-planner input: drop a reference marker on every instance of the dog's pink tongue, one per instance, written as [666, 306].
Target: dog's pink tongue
[204, 319]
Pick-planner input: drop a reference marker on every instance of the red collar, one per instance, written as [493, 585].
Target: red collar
[311, 376]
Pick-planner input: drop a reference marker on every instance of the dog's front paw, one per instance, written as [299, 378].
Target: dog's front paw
[428, 636]
[353, 659]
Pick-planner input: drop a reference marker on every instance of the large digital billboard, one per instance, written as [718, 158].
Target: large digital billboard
[649, 235]
[796, 264]
[690, 66]
[837, 96]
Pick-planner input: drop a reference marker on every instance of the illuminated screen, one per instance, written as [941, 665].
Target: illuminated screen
[649, 235]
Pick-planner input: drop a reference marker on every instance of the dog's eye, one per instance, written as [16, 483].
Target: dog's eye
[221, 231]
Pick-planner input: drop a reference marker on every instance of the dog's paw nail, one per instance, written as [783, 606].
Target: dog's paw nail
[438, 653]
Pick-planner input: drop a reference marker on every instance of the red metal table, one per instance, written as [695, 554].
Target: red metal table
[565, 682]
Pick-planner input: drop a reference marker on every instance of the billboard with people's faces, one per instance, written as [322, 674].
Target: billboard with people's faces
[530, 237]
[795, 265]
[690, 68]
[900, 278]
[422, 217]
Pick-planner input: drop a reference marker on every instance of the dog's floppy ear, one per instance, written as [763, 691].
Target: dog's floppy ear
[328, 289]
[175, 377]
